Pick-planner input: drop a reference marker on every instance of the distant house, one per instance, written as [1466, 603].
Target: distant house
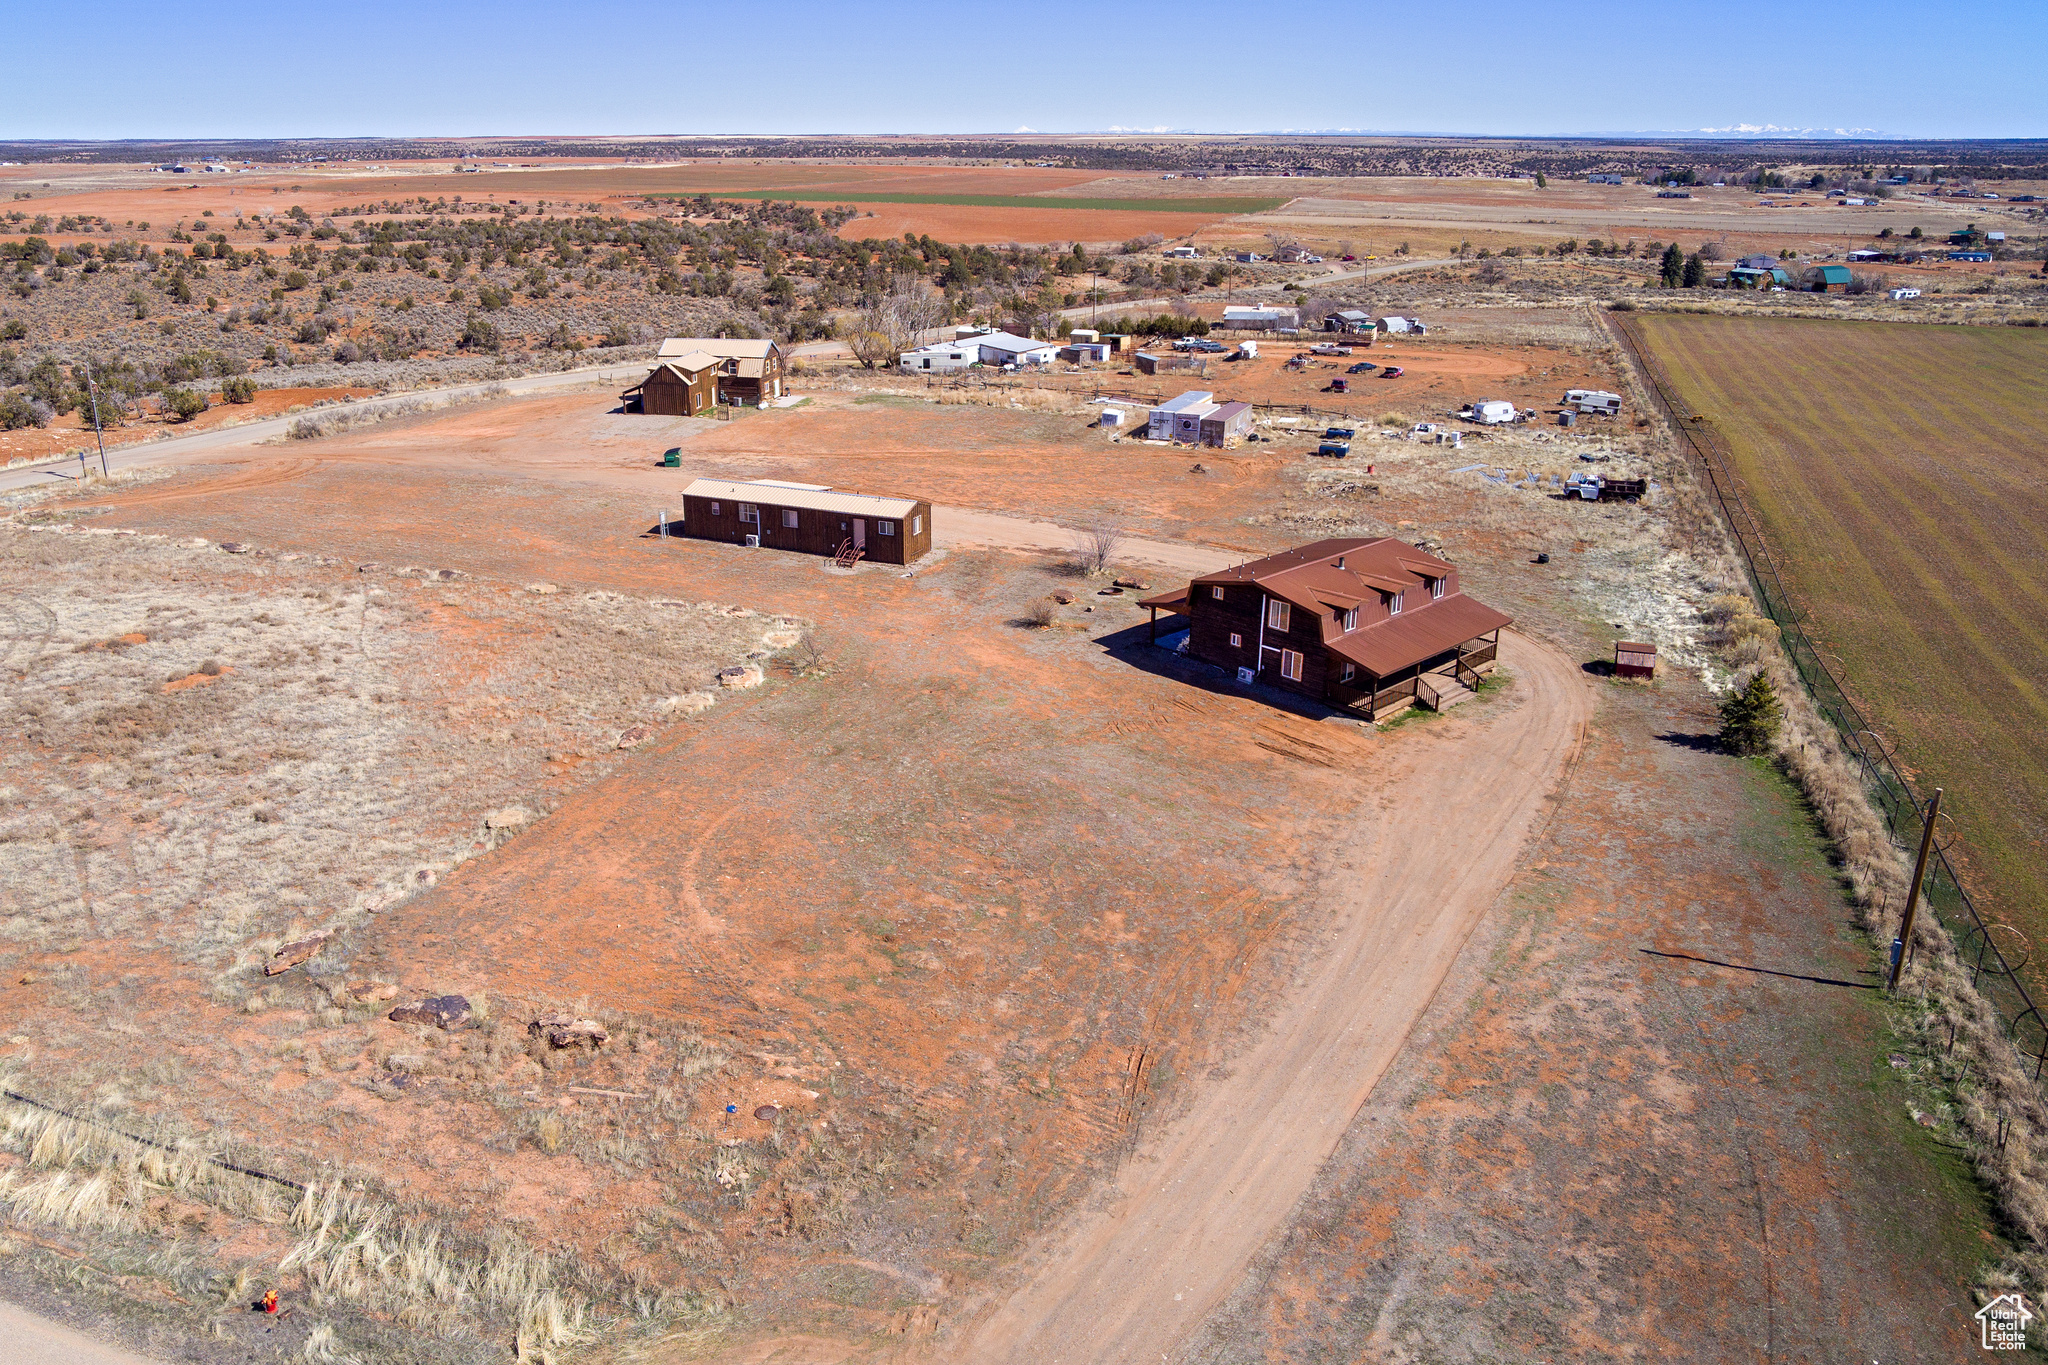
[1182, 253]
[1350, 320]
[1242, 317]
[808, 518]
[1368, 625]
[1227, 425]
[1090, 351]
[1180, 419]
[747, 372]
[979, 348]
[682, 387]
[1294, 253]
[1246, 257]
[1757, 262]
[1399, 325]
[1900, 295]
[1828, 279]
[1604, 178]
[1866, 255]
[1744, 277]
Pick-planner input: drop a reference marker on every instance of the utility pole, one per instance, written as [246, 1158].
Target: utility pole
[92, 391]
[1905, 937]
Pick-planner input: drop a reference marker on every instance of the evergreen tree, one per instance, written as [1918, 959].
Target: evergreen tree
[1749, 718]
[1695, 271]
[1673, 266]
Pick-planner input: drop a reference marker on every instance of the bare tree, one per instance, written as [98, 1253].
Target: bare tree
[892, 322]
[1099, 545]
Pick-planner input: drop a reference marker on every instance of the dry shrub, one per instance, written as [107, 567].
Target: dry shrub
[1041, 613]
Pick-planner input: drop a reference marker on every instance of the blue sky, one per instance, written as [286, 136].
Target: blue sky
[228, 68]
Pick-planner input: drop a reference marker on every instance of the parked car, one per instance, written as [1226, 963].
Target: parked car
[1391, 372]
[1362, 367]
[1339, 386]
[1350, 258]
[1206, 345]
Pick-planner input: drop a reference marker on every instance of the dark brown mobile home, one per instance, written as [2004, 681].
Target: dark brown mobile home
[808, 518]
[684, 387]
[1366, 625]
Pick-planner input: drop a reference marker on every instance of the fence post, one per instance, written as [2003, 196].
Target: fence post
[1913, 894]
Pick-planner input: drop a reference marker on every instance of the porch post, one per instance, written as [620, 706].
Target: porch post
[1155, 625]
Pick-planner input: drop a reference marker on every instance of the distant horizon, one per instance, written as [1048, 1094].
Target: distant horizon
[1488, 70]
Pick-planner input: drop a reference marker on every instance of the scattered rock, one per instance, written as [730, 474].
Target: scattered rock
[508, 817]
[768, 1111]
[449, 575]
[441, 1011]
[562, 1029]
[1064, 596]
[1110, 592]
[372, 567]
[740, 676]
[292, 954]
[638, 734]
[1196, 469]
[234, 547]
[542, 588]
[372, 992]
[1138, 584]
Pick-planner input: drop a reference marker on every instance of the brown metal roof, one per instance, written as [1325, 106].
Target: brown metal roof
[1625, 646]
[1419, 633]
[1169, 601]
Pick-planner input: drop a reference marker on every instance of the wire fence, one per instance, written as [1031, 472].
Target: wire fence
[1993, 972]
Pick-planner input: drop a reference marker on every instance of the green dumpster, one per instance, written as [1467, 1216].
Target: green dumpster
[672, 459]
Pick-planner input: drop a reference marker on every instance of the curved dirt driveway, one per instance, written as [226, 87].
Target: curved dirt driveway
[1130, 1275]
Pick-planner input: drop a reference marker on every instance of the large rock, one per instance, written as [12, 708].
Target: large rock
[292, 954]
[741, 676]
[562, 1029]
[439, 1011]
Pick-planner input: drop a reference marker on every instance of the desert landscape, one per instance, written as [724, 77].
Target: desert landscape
[445, 893]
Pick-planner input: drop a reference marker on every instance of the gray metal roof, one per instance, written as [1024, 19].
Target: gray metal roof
[811, 497]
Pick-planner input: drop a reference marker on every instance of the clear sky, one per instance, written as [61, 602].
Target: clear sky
[225, 68]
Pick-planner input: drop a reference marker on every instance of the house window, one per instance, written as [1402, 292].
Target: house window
[1236, 641]
[1290, 665]
[714, 509]
[1216, 592]
[885, 528]
[1436, 587]
[1277, 614]
[1350, 672]
[1394, 604]
[749, 512]
[789, 520]
[917, 525]
[1351, 619]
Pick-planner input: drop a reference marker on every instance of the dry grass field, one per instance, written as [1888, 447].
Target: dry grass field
[1899, 473]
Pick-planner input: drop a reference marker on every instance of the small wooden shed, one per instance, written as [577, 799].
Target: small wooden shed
[1633, 660]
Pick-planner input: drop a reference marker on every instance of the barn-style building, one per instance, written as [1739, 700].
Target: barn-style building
[702, 371]
[809, 518]
[1368, 625]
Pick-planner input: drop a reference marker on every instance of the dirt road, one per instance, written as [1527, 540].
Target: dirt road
[1133, 1274]
[35, 1340]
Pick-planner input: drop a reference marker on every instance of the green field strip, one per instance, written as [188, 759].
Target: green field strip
[1212, 207]
[1899, 472]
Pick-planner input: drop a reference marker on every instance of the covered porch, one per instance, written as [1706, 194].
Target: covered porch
[1435, 683]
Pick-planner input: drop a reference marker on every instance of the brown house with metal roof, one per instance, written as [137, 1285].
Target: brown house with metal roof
[809, 518]
[683, 387]
[1364, 624]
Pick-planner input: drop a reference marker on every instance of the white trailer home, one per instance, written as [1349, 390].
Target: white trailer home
[1180, 419]
[1240, 317]
[1593, 401]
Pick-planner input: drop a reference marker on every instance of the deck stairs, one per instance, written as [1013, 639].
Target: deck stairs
[849, 554]
[1446, 689]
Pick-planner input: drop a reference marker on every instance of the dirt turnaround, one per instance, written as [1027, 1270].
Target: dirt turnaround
[1137, 1270]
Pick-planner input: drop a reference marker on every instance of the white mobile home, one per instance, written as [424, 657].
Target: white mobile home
[1180, 419]
[944, 359]
[1249, 318]
[1593, 400]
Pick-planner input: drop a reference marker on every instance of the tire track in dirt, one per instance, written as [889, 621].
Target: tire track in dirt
[1133, 1274]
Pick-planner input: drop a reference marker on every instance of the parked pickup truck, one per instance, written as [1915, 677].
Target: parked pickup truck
[1597, 488]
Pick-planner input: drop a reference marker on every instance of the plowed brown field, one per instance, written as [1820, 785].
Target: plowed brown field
[1898, 474]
